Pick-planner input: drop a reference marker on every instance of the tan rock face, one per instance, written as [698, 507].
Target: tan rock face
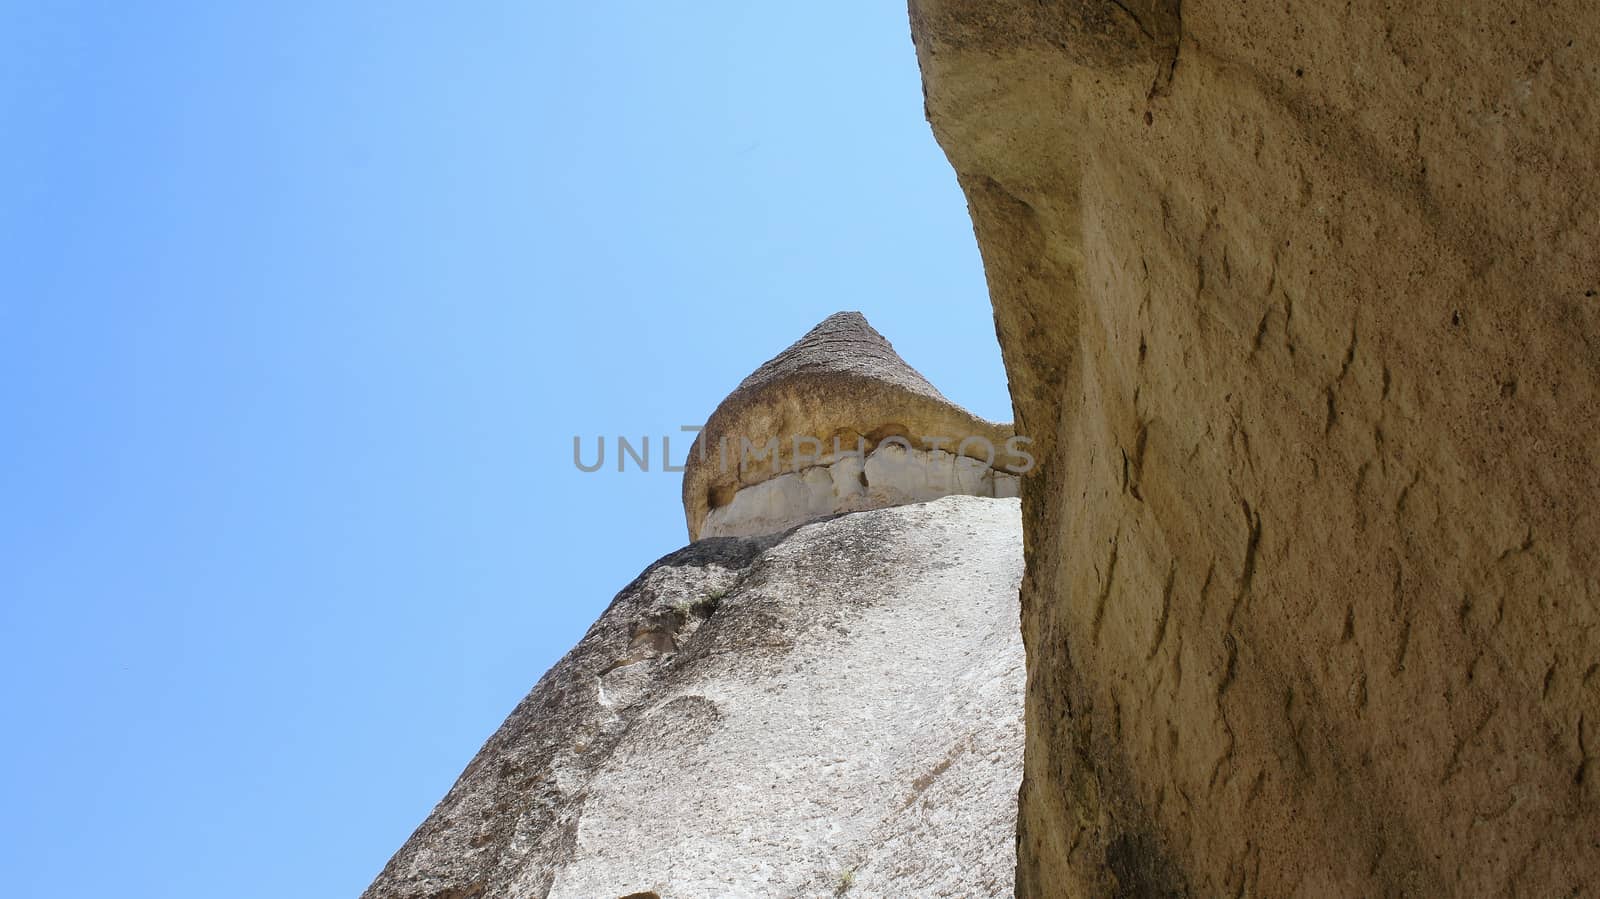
[797, 439]
[1299, 305]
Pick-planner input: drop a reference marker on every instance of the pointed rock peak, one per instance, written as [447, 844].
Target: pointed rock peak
[797, 439]
[844, 343]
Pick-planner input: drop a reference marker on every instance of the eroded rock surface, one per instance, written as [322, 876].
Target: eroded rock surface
[800, 438]
[835, 710]
[1298, 302]
[891, 475]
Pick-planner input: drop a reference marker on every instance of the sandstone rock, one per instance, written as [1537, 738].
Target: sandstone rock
[835, 710]
[776, 452]
[1298, 302]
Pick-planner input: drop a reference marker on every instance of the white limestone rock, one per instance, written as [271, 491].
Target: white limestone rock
[891, 475]
[835, 709]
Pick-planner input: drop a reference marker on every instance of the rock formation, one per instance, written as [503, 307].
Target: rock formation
[831, 710]
[838, 422]
[1298, 303]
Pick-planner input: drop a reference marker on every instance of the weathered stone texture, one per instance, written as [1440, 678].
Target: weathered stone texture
[843, 388]
[838, 706]
[1298, 301]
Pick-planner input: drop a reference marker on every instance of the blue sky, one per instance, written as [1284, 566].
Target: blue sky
[302, 305]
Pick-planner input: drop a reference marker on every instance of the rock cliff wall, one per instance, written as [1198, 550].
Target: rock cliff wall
[1298, 302]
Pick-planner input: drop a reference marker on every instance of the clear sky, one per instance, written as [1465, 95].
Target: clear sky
[302, 305]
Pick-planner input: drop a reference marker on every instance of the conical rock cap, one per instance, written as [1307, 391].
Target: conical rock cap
[841, 385]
